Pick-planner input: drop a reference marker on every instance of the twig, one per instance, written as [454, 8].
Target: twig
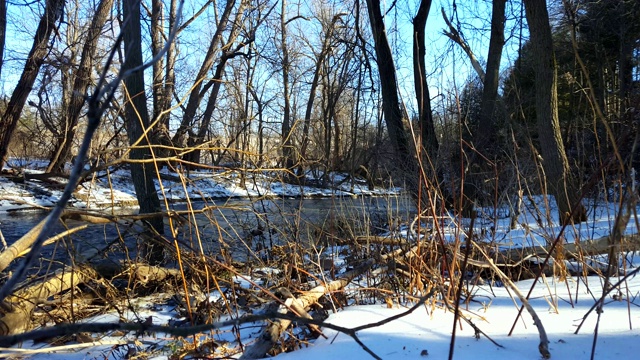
[145, 327]
[467, 249]
[543, 346]
[97, 104]
[11, 352]
[600, 301]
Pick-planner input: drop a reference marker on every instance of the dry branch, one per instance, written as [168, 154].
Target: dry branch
[22, 244]
[270, 335]
[585, 247]
[17, 309]
[543, 346]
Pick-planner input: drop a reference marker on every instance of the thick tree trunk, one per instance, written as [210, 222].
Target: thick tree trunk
[82, 79]
[484, 138]
[406, 164]
[427, 129]
[555, 163]
[137, 120]
[39, 50]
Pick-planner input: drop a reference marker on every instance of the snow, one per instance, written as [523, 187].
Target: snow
[115, 190]
[428, 329]
[424, 333]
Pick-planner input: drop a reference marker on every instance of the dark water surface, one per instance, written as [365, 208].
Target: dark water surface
[240, 226]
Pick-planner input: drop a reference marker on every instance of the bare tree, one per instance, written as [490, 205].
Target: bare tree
[287, 145]
[3, 30]
[555, 163]
[81, 78]
[483, 137]
[406, 164]
[228, 52]
[9, 120]
[425, 115]
[328, 42]
[137, 122]
[196, 93]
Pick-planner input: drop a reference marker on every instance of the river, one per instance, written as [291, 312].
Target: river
[240, 226]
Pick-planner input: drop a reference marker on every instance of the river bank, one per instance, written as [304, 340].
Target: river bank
[28, 188]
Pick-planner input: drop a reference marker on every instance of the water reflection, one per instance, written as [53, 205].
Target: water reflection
[237, 226]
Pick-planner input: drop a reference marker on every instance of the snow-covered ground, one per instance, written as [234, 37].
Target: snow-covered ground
[116, 190]
[424, 333]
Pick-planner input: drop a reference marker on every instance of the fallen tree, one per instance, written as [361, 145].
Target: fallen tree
[571, 250]
[17, 310]
[22, 246]
[271, 333]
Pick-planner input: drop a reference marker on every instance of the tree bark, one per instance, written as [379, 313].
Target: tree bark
[39, 50]
[82, 79]
[157, 30]
[484, 135]
[137, 121]
[429, 140]
[3, 31]
[555, 163]
[406, 164]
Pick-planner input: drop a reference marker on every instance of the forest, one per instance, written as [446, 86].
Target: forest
[481, 112]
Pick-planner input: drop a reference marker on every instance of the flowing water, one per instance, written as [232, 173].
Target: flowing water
[241, 227]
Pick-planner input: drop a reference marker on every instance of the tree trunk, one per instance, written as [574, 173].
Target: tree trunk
[484, 136]
[555, 163]
[82, 78]
[137, 120]
[406, 164]
[157, 31]
[39, 50]
[195, 96]
[215, 84]
[287, 143]
[485, 133]
[319, 63]
[3, 31]
[429, 141]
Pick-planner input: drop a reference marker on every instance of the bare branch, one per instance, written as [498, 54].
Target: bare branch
[98, 103]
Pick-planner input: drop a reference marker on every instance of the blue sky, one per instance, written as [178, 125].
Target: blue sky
[446, 64]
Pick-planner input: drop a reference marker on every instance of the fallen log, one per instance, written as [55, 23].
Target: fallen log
[146, 273]
[22, 246]
[16, 310]
[270, 334]
[571, 250]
